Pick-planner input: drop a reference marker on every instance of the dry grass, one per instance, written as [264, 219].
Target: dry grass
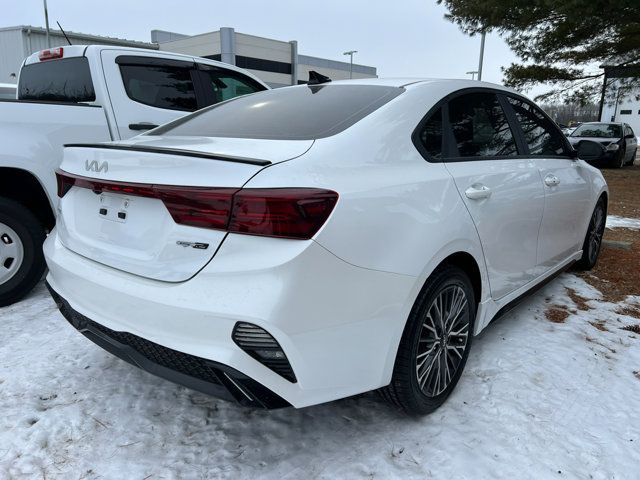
[556, 314]
[599, 325]
[632, 328]
[580, 301]
[629, 311]
[617, 273]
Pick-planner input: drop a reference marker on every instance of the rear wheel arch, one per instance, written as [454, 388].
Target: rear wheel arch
[468, 264]
[23, 187]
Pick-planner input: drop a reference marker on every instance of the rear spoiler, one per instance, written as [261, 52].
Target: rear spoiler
[171, 151]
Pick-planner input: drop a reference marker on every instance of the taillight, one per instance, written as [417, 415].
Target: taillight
[51, 53]
[281, 212]
[296, 213]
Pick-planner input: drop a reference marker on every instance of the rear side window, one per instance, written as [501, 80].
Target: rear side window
[431, 135]
[540, 135]
[64, 80]
[480, 126]
[292, 113]
[161, 86]
[221, 84]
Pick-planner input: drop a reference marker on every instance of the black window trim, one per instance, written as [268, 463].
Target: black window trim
[448, 141]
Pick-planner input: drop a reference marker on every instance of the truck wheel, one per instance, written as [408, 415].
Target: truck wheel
[21, 258]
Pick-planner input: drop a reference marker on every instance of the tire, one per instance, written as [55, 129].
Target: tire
[419, 339]
[633, 158]
[21, 259]
[593, 239]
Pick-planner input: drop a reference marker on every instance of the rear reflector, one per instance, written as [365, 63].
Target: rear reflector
[51, 53]
[259, 344]
[296, 213]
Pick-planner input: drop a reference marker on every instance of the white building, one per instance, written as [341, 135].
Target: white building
[620, 102]
[276, 62]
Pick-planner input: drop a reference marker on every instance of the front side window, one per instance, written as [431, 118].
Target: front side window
[226, 84]
[161, 86]
[628, 131]
[431, 135]
[540, 135]
[61, 80]
[480, 126]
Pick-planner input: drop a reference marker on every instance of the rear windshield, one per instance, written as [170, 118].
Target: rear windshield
[294, 113]
[64, 80]
[599, 130]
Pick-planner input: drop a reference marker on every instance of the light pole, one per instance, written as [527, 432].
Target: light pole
[350, 53]
[484, 34]
[46, 21]
[473, 74]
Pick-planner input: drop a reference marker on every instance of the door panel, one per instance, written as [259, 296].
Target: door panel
[508, 221]
[502, 191]
[565, 182]
[566, 211]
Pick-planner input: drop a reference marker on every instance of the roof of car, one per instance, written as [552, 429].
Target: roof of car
[452, 83]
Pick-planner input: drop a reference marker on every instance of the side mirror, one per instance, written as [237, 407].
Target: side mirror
[631, 135]
[589, 151]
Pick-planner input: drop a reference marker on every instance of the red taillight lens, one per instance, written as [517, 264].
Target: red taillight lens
[281, 212]
[274, 212]
[51, 53]
[198, 207]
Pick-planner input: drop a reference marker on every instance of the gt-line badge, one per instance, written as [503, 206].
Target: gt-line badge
[197, 245]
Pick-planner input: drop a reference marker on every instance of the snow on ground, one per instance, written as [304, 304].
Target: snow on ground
[613, 221]
[537, 400]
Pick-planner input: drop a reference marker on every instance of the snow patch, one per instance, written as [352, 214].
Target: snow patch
[613, 221]
[537, 399]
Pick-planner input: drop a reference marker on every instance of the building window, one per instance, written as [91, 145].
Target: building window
[261, 64]
[625, 112]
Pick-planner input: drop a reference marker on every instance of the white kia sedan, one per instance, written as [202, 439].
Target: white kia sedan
[309, 243]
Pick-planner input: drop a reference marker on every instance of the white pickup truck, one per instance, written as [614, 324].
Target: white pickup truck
[86, 94]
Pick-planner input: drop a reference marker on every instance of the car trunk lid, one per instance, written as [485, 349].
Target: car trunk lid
[135, 206]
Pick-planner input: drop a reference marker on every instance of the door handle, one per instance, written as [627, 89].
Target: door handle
[551, 180]
[142, 126]
[477, 191]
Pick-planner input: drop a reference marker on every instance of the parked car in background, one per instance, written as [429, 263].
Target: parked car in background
[308, 243]
[618, 143]
[7, 91]
[86, 94]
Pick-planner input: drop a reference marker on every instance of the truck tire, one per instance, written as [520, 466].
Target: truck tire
[21, 259]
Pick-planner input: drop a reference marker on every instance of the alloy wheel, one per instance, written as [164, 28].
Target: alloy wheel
[596, 230]
[11, 253]
[442, 341]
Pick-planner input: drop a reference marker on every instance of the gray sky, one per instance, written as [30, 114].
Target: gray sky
[401, 38]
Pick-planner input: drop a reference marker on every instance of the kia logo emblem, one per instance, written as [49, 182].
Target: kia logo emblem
[94, 166]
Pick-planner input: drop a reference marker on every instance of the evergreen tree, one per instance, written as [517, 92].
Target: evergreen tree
[559, 43]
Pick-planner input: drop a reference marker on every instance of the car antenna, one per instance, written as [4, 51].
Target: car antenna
[316, 78]
[65, 35]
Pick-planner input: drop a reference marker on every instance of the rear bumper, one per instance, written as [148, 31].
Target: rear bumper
[339, 325]
[193, 372]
